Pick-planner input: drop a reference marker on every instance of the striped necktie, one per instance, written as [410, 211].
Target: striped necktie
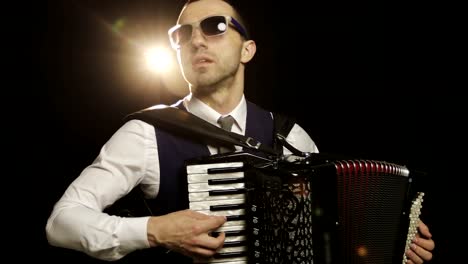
[226, 123]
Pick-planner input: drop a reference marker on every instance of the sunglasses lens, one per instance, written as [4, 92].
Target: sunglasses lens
[182, 34]
[211, 26]
[214, 25]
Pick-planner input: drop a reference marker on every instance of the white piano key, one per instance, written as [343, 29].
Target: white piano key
[204, 187]
[232, 249]
[203, 177]
[235, 238]
[224, 213]
[222, 260]
[230, 228]
[203, 168]
[234, 262]
[234, 223]
[205, 205]
[205, 196]
[238, 260]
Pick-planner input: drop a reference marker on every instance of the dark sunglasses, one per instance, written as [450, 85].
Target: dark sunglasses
[210, 26]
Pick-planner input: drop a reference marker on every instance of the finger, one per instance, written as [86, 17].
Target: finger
[199, 252]
[208, 241]
[210, 223]
[413, 257]
[196, 215]
[419, 254]
[424, 230]
[221, 238]
[203, 252]
[202, 216]
[427, 244]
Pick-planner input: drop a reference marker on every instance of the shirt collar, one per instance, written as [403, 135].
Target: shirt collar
[202, 110]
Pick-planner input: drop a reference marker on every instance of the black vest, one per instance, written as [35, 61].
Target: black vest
[174, 151]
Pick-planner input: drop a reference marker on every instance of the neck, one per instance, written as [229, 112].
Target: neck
[223, 96]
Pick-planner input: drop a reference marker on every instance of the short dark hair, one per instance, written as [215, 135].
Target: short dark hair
[237, 14]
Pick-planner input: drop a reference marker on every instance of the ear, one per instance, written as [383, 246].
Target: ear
[248, 51]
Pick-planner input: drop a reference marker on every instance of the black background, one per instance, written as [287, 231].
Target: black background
[360, 78]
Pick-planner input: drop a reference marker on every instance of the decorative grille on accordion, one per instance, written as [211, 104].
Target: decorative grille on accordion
[311, 210]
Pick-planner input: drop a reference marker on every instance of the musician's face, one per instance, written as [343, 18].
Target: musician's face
[208, 61]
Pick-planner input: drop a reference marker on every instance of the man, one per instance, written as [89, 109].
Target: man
[213, 49]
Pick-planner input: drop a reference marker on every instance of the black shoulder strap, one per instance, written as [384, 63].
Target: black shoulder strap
[188, 125]
[282, 126]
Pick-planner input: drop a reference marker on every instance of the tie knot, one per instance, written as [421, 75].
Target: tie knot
[226, 122]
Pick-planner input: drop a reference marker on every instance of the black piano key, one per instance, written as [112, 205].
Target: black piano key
[225, 181]
[226, 192]
[234, 243]
[230, 233]
[230, 254]
[235, 217]
[223, 207]
[234, 233]
[224, 170]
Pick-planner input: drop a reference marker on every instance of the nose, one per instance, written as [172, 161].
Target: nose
[198, 38]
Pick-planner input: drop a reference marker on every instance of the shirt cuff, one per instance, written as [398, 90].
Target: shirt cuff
[133, 234]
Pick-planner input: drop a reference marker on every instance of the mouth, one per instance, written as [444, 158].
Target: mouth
[201, 61]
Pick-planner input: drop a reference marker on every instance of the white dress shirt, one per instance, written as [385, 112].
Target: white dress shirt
[128, 158]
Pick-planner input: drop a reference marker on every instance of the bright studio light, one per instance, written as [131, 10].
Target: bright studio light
[158, 59]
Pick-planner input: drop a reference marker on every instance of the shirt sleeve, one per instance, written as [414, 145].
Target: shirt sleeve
[77, 220]
[301, 140]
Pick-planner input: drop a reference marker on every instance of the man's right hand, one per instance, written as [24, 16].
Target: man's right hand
[187, 232]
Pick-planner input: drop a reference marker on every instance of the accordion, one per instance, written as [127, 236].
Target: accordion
[313, 209]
